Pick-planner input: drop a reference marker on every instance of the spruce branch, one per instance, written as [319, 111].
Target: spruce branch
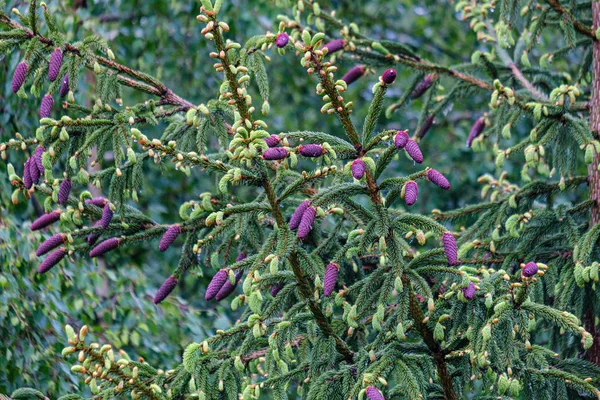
[580, 27]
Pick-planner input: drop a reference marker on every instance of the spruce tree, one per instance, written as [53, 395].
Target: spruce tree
[344, 293]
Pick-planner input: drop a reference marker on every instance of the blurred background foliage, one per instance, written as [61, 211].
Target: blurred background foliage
[163, 39]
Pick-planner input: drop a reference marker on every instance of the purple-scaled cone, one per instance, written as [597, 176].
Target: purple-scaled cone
[530, 269]
[50, 243]
[276, 289]
[19, 76]
[107, 215]
[438, 179]
[34, 171]
[358, 168]
[275, 153]
[401, 139]
[64, 191]
[297, 215]
[311, 150]
[282, 40]
[27, 174]
[227, 287]
[97, 201]
[52, 259]
[422, 86]
[469, 291]
[55, 63]
[354, 73]
[306, 223]
[169, 237]
[46, 106]
[426, 126]
[216, 284]
[450, 248]
[272, 140]
[104, 247]
[413, 150]
[240, 257]
[64, 87]
[165, 289]
[476, 130]
[331, 274]
[334, 45]
[93, 237]
[45, 220]
[389, 76]
[374, 394]
[37, 159]
[411, 191]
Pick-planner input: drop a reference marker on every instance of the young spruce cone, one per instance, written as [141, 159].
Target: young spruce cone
[476, 130]
[469, 291]
[37, 159]
[93, 237]
[216, 284]
[52, 259]
[272, 140]
[275, 153]
[306, 223]
[422, 86]
[413, 150]
[354, 73]
[51, 243]
[411, 191]
[64, 190]
[240, 257]
[401, 139]
[227, 287]
[27, 174]
[104, 247]
[19, 76]
[374, 394]
[311, 150]
[530, 269]
[450, 248]
[169, 237]
[165, 290]
[334, 45]
[45, 220]
[34, 171]
[438, 179]
[389, 76]
[64, 87]
[358, 168]
[275, 289]
[107, 215]
[46, 106]
[282, 40]
[297, 215]
[97, 201]
[426, 126]
[331, 274]
[55, 64]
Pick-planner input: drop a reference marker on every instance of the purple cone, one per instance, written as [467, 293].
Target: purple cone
[45, 220]
[169, 237]
[55, 64]
[19, 76]
[240, 257]
[469, 291]
[411, 191]
[272, 140]
[165, 289]
[422, 86]
[52, 259]
[530, 269]
[97, 201]
[104, 247]
[34, 171]
[93, 237]
[438, 179]
[27, 174]
[216, 284]
[37, 159]
[46, 106]
[282, 40]
[311, 150]
[358, 168]
[298, 213]
[354, 73]
[331, 274]
[389, 76]
[413, 150]
[64, 190]
[306, 223]
[450, 248]
[51, 243]
[275, 289]
[401, 139]
[476, 130]
[227, 287]
[64, 87]
[374, 394]
[334, 45]
[426, 126]
[107, 215]
[275, 153]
